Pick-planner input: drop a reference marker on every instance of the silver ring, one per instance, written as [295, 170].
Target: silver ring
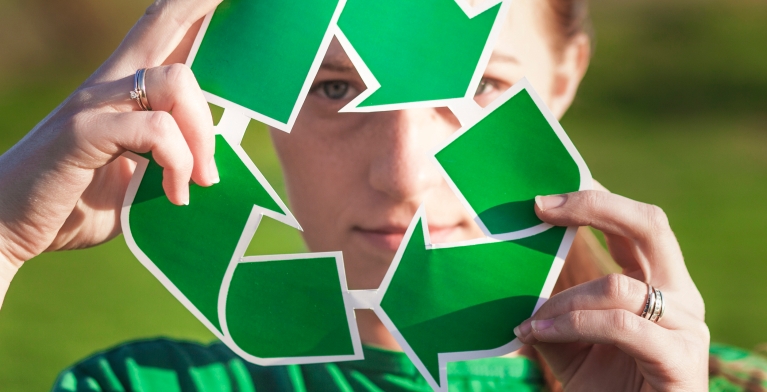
[139, 90]
[655, 306]
[647, 304]
[658, 314]
[650, 304]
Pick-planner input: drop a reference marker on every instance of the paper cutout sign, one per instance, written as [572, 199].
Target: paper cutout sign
[408, 57]
[442, 302]
[260, 57]
[461, 301]
[270, 310]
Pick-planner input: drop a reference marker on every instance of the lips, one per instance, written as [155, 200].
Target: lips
[389, 238]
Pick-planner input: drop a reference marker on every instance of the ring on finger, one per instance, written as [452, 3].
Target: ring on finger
[139, 90]
[655, 306]
[660, 307]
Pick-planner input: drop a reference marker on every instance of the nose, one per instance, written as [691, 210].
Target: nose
[402, 168]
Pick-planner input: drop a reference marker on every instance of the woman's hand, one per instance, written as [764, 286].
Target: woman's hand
[592, 336]
[62, 186]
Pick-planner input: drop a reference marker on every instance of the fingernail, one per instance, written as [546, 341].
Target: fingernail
[523, 329]
[185, 195]
[540, 325]
[214, 172]
[550, 202]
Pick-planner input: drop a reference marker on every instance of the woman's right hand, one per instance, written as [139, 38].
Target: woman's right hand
[62, 186]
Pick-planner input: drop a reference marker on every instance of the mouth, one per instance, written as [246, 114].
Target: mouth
[389, 238]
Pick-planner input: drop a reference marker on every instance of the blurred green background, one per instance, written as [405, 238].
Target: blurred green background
[673, 112]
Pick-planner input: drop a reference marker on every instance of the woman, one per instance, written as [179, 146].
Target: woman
[354, 182]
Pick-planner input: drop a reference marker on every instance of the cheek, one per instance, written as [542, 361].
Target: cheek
[309, 162]
[322, 166]
[541, 77]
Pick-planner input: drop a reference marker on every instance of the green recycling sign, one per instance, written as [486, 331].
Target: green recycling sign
[443, 302]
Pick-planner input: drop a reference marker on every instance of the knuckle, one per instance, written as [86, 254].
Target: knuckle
[576, 320]
[592, 200]
[161, 123]
[78, 122]
[185, 162]
[179, 161]
[656, 218]
[179, 75]
[625, 322]
[182, 156]
[704, 333]
[156, 8]
[162, 9]
[616, 287]
[83, 97]
[75, 129]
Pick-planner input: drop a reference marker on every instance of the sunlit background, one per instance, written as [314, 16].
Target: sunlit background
[673, 112]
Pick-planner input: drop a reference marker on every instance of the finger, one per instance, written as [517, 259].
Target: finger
[154, 37]
[634, 335]
[614, 291]
[620, 248]
[143, 132]
[645, 224]
[181, 53]
[173, 89]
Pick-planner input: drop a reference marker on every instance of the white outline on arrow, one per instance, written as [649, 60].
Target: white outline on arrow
[367, 76]
[232, 126]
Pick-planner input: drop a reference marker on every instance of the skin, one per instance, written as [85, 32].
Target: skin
[354, 182]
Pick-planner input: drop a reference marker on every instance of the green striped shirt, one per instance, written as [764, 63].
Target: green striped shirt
[164, 365]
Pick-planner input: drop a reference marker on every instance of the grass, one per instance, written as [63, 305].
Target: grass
[672, 112]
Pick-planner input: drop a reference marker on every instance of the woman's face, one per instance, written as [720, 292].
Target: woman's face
[355, 180]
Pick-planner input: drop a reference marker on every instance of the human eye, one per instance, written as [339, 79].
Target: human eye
[487, 86]
[336, 90]
[488, 90]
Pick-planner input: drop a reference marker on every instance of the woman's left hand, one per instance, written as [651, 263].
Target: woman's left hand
[592, 335]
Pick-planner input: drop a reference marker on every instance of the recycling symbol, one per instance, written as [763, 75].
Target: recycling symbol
[442, 303]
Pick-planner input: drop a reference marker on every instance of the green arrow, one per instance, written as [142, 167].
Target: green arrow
[260, 56]
[516, 151]
[461, 301]
[417, 51]
[196, 252]
[465, 298]
[289, 309]
[193, 245]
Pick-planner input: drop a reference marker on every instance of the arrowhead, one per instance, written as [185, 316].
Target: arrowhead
[516, 152]
[258, 55]
[189, 248]
[464, 298]
[418, 51]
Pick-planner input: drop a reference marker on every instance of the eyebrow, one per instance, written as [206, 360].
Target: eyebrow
[337, 66]
[504, 58]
